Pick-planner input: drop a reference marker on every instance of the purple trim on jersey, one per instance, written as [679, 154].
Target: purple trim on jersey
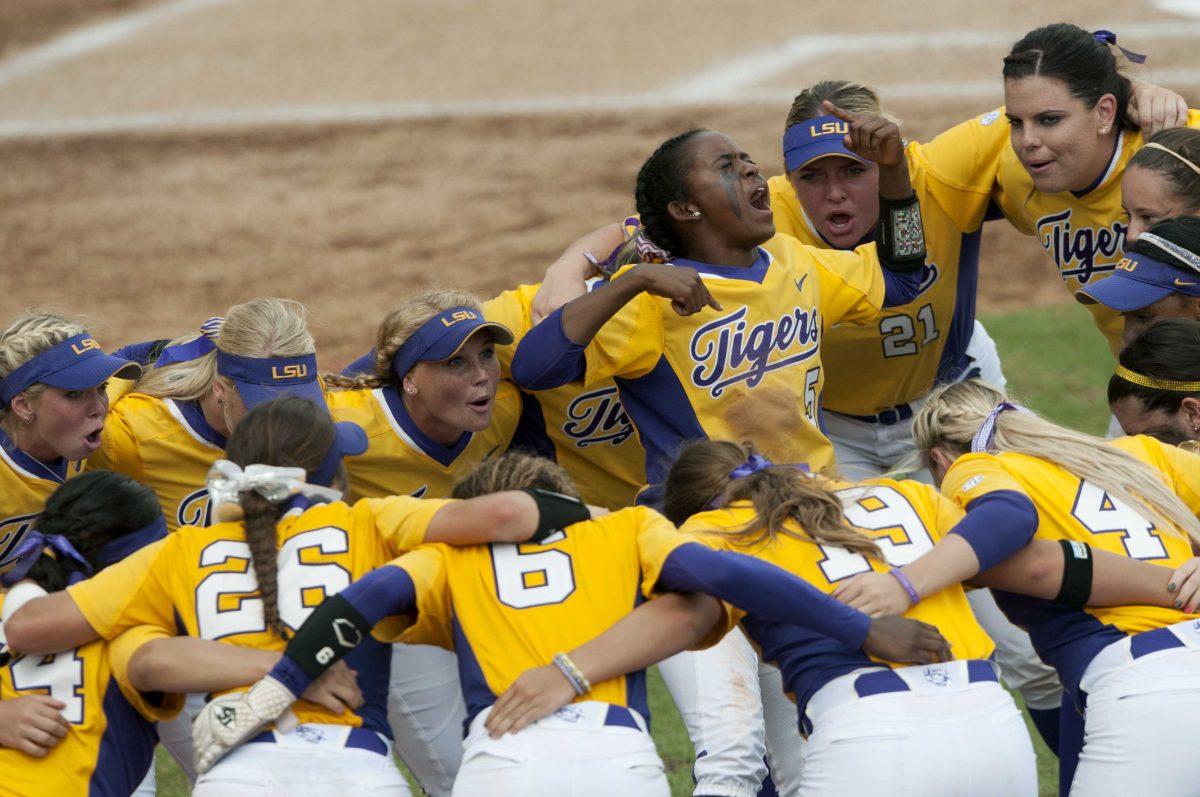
[1065, 638]
[636, 695]
[546, 358]
[191, 412]
[476, 692]
[443, 455]
[954, 362]
[50, 471]
[531, 434]
[901, 287]
[1070, 743]
[659, 408]
[762, 589]
[755, 272]
[363, 365]
[126, 749]
[997, 525]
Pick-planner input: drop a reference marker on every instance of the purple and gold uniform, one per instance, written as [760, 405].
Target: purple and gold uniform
[586, 430]
[901, 355]
[109, 745]
[1082, 232]
[25, 484]
[199, 582]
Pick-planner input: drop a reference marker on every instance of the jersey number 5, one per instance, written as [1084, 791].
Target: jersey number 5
[898, 528]
[540, 578]
[227, 603]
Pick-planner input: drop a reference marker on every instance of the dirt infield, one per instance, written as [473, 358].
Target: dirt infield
[149, 233]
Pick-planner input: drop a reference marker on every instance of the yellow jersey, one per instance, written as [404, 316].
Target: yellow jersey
[752, 371]
[586, 430]
[166, 445]
[109, 745]
[200, 582]
[1082, 232]
[25, 484]
[400, 459]
[900, 356]
[1071, 508]
[504, 608]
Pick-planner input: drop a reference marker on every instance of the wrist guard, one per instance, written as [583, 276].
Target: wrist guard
[555, 512]
[333, 630]
[900, 235]
[1077, 574]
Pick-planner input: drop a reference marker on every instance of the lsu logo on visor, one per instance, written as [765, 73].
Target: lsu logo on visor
[729, 350]
[293, 371]
[829, 129]
[1126, 265]
[84, 346]
[597, 417]
[460, 315]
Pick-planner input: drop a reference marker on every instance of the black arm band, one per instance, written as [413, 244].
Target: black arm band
[900, 235]
[333, 630]
[555, 512]
[1077, 574]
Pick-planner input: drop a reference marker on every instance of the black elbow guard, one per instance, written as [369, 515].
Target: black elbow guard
[1077, 574]
[900, 235]
[555, 512]
[333, 630]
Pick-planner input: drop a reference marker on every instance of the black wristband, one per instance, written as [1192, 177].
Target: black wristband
[1077, 574]
[900, 235]
[333, 630]
[555, 512]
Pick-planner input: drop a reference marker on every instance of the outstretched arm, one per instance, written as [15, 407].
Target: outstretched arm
[567, 276]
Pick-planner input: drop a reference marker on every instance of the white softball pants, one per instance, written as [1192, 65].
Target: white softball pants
[426, 713]
[574, 752]
[309, 761]
[945, 737]
[1142, 721]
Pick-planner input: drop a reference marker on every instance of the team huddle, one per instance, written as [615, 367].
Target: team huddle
[752, 435]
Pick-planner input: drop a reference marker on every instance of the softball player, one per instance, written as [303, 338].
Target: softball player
[433, 406]
[174, 426]
[1127, 665]
[1162, 180]
[1156, 389]
[284, 552]
[52, 406]
[1067, 106]
[576, 582]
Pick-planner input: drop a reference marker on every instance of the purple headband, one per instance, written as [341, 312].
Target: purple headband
[1108, 37]
[30, 550]
[443, 335]
[982, 441]
[78, 363]
[210, 330]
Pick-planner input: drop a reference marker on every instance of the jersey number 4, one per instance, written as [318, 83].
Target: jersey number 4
[227, 603]
[538, 578]
[60, 675]
[898, 528]
[1100, 513]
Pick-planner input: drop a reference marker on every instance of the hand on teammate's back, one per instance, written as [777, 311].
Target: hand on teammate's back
[1185, 585]
[32, 724]
[681, 284]
[536, 693]
[906, 641]
[336, 689]
[1153, 108]
[876, 594]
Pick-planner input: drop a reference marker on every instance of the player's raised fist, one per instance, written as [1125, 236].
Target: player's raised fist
[872, 136]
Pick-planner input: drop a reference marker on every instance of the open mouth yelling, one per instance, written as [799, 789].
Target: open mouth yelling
[91, 441]
[760, 199]
[481, 406]
[839, 224]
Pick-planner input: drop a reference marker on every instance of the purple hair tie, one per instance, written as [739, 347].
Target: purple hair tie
[982, 441]
[30, 550]
[1108, 37]
[210, 330]
[754, 464]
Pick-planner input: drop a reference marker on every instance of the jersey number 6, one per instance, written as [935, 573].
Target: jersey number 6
[539, 578]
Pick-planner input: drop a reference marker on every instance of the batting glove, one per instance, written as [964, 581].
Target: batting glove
[231, 719]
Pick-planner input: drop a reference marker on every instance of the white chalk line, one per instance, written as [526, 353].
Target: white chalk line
[729, 83]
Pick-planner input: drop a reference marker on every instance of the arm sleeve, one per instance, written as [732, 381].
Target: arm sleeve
[901, 287]
[762, 589]
[154, 706]
[547, 358]
[401, 520]
[144, 353]
[997, 525]
[131, 592]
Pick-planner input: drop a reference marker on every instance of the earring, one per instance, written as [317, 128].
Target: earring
[412, 391]
[1104, 131]
[28, 419]
[695, 214]
[220, 401]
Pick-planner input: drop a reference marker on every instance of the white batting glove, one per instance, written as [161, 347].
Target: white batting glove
[231, 719]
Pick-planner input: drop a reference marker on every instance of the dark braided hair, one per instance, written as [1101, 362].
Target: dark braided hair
[90, 510]
[288, 432]
[660, 182]
[1069, 53]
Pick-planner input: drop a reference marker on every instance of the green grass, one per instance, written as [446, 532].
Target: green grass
[1055, 362]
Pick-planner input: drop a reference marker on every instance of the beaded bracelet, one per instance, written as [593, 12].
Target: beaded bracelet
[913, 595]
[573, 674]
